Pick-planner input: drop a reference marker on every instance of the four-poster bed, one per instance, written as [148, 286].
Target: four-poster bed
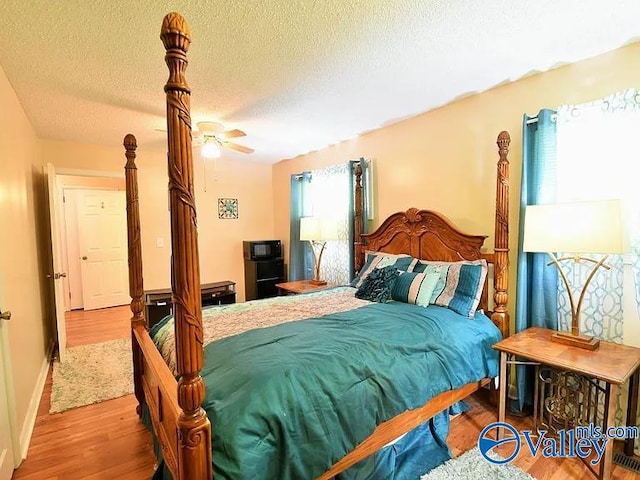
[180, 424]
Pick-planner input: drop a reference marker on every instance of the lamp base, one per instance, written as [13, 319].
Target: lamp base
[318, 282]
[579, 341]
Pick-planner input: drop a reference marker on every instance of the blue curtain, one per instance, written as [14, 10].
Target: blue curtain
[300, 253]
[366, 191]
[537, 284]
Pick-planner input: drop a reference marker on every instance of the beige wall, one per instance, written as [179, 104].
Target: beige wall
[445, 159]
[23, 288]
[220, 241]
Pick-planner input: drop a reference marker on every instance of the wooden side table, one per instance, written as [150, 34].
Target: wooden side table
[300, 286]
[612, 364]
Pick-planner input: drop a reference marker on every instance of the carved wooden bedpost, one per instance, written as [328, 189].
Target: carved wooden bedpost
[136, 290]
[194, 450]
[357, 220]
[501, 266]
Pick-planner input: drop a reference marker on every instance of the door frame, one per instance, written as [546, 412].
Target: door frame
[8, 384]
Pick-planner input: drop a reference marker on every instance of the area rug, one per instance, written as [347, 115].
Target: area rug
[91, 374]
[473, 466]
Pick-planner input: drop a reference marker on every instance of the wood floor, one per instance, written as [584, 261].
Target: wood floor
[106, 440]
[102, 441]
[95, 326]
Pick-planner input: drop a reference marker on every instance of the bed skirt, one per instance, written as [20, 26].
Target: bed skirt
[415, 454]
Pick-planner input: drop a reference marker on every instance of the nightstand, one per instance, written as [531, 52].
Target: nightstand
[300, 286]
[612, 365]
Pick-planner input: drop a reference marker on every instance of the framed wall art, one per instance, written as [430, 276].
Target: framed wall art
[228, 208]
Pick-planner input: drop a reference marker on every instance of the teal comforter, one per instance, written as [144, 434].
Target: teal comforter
[288, 401]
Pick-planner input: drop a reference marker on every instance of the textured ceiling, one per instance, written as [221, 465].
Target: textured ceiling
[296, 75]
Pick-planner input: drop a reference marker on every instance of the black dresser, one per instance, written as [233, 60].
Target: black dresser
[157, 303]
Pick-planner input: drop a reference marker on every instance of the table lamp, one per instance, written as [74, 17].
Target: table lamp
[317, 230]
[575, 228]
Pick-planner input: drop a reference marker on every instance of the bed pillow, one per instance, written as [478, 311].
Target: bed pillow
[460, 285]
[378, 284]
[380, 260]
[415, 288]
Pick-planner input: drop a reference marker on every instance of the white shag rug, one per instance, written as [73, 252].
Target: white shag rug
[91, 374]
[473, 466]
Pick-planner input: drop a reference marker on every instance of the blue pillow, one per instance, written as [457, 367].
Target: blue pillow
[378, 284]
[380, 260]
[460, 285]
[415, 288]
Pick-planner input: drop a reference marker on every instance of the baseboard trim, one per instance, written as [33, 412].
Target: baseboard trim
[32, 412]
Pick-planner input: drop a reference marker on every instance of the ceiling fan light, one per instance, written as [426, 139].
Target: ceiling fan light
[210, 150]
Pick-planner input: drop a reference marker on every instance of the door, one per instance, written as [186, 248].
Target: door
[73, 265]
[57, 274]
[7, 441]
[6, 445]
[102, 226]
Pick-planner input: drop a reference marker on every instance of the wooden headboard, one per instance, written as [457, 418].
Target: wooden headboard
[429, 235]
[424, 234]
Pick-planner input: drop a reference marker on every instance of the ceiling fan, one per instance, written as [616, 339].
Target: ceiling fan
[212, 136]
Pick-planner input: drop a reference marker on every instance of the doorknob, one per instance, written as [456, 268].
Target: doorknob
[5, 315]
[84, 257]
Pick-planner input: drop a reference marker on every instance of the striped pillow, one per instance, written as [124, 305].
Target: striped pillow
[380, 260]
[460, 285]
[415, 288]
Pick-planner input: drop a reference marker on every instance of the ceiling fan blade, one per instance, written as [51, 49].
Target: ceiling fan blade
[231, 134]
[238, 148]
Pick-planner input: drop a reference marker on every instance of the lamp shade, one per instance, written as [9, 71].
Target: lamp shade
[309, 228]
[318, 228]
[579, 227]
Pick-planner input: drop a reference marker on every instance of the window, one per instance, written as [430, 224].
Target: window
[598, 157]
